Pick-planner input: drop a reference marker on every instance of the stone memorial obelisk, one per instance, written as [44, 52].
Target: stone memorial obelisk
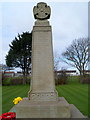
[43, 101]
[42, 84]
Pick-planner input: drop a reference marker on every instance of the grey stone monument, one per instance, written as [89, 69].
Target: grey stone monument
[43, 101]
[42, 84]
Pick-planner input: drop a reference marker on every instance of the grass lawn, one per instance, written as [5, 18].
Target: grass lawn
[74, 92]
[11, 92]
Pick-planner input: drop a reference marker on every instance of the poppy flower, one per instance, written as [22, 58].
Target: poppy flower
[9, 116]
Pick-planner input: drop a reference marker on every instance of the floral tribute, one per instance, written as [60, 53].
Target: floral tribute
[8, 116]
[17, 100]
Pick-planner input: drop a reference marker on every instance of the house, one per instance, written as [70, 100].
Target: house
[68, 72]
[9, 74]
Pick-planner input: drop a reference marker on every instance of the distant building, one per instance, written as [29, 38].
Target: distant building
[18, 74]
[68, 72]
[87, 72]
[9, 74]
[5, 68]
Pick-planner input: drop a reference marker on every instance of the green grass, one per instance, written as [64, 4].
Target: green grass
[11, 92]
[74, 92]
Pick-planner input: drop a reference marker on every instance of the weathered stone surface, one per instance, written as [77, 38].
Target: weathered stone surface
[44, 109]
[42, 84]
[41, 11]
[72, 111]
[75, 113]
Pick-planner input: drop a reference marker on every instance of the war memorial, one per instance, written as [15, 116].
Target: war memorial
[43, 100]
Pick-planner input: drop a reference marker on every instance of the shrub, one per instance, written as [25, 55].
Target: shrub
[61, 78]
[17, 80]
[28, 81]
[6, 81]
[14, 80]
[73, 79]
[85, 79]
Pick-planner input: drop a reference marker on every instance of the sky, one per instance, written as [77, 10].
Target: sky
[69, 21]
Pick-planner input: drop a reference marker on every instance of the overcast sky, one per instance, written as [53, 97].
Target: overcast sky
[68, 20]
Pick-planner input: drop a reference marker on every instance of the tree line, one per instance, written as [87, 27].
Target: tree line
[19, 54]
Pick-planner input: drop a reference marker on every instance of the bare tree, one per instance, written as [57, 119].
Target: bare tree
[76, 54]
[56, 61]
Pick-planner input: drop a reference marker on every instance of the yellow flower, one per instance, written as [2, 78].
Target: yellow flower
[17, 100]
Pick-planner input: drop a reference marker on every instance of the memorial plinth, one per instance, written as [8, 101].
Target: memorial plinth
[43, 109]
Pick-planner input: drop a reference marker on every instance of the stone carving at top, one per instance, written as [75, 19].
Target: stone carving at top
[41, 11]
